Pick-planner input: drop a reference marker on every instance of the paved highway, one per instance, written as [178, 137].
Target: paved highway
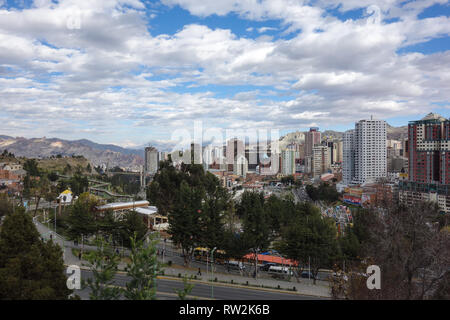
[166, 290]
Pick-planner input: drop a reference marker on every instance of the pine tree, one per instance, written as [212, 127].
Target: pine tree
[143, 270]
[103, 265]
[29, 268]
[256, 230]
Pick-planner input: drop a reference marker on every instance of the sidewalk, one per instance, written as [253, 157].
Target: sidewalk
[306, 286]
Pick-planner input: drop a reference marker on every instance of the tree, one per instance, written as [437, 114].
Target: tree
[132, 224]
[31, 167]
[79, 184]
[187, 288]
[411, 250]
[323, 192]
[29, 268]
[41, 189]
[214, 207]
[185, 219]
[103, 265]
[81, 219]
[6, 206]
[310, 240]
[256, 230]
[143, 270]
[164, 187]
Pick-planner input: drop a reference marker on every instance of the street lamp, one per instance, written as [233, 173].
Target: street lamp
[212, 272]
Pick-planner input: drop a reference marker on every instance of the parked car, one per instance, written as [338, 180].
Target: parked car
[280, 270]
[236, 265]
[307, 274]
[266, 266]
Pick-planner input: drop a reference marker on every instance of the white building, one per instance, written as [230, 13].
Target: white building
[240, 166]
[365, 152]
[151, 160]
[320, 161]
[288, 162]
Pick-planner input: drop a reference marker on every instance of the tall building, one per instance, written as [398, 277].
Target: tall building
[312, 138]
[196, 153]
[288, 162]
[429, 150]
[234, 149]
[365, 152]
[151, 160]
[429, 162]
[348, 157]
[240, 166]
[320, 160]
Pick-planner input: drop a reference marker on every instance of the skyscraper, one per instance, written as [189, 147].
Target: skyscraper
[365, 152]
[312, 138]
[151, 160]
[288, 161]
[348, 161]
[429, 150]
[429, 162]
[320, 160]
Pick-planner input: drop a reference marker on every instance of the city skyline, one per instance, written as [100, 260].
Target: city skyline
[128, 72]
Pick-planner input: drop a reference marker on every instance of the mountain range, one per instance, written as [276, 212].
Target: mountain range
[97, 154]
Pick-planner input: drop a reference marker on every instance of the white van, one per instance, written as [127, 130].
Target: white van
[280, 270]
[235, 265]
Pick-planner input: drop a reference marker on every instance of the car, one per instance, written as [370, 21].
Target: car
[266, 266]
[280, 270]
[306, 274]
[238, 265]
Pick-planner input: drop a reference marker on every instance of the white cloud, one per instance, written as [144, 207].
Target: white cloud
[106, 76]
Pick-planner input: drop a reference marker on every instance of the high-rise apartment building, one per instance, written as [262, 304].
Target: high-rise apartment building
[312, 138]
[240, 166]
[288, 162]
[348, 160]
[365, 152]
[320, 160]
[429, 162]
[151, 160]
[234, 149]
[429, 150]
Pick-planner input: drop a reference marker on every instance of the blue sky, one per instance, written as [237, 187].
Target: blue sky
[130, 72]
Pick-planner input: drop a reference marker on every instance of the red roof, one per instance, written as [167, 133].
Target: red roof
[272, 259]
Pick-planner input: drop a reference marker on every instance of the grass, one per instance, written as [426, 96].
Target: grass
[58, 164]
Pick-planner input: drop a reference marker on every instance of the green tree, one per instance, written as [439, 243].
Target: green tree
[143, 270]
[81, 219]
[29, 268]
[164, 187]
[187, 288]
[103, 264]
[310, 240]
[31, 167]
[185, 219]
[215, 204]
[256, 230]
[131, 224]
[79, 183]
[6, 206]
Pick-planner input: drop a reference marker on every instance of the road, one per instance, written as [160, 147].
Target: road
[166, 290]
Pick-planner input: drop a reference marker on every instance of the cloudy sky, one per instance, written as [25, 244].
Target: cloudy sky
[129, 71]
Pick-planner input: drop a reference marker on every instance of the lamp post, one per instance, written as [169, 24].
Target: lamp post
[212, 272]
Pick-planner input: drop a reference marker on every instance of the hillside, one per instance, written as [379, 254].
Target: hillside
[97, 154]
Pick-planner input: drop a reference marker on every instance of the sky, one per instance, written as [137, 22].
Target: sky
[130, 72]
